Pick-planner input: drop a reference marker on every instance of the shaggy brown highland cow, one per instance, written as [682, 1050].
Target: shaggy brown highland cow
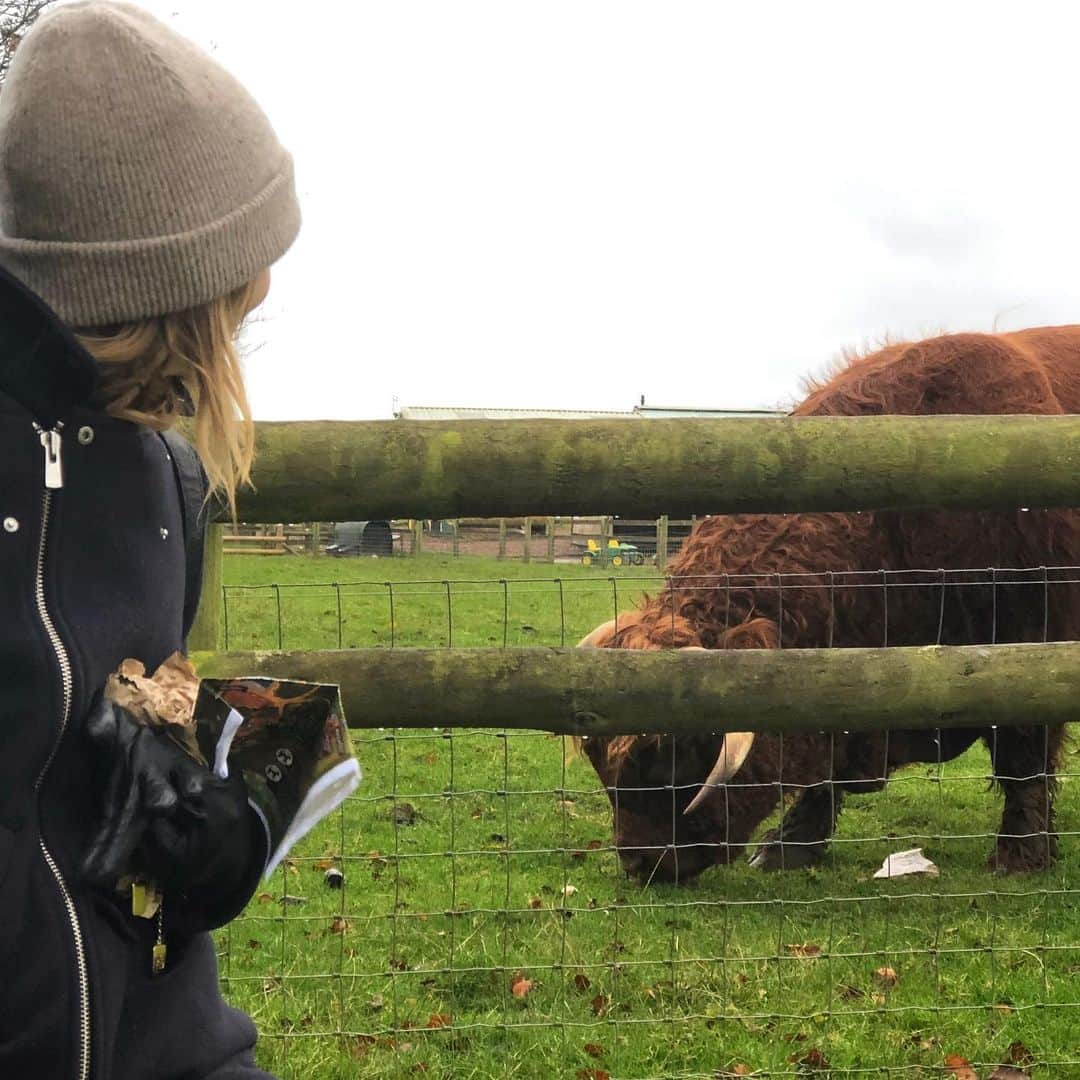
[856, 579]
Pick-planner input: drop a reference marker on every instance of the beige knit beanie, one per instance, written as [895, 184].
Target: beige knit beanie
[137, 176]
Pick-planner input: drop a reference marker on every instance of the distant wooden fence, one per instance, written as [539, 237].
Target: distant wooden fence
[270, 540]
[654, 537]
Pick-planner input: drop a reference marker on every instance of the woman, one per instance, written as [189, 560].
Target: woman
[143, 195]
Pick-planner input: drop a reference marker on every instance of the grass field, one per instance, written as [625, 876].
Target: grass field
[486, 931]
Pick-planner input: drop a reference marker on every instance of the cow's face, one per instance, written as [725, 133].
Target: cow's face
[652, 783]
[680, 804]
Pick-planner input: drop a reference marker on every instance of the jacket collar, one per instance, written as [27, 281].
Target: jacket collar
[43, 368]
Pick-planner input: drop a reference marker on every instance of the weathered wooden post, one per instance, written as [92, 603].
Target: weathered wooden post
[206, 632]
[502, 538]
[417, 536]
[661, 541]
[526, 552]
[455, 532]
[606, 525]
[316, 537]
[549, 531]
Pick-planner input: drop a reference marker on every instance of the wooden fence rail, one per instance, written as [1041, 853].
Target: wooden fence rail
[607, 691]
[339, 471]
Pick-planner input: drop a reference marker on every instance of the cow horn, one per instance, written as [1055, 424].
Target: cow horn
[732, 754]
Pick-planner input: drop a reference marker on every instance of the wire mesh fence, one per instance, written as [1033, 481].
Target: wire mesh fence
[491, 923]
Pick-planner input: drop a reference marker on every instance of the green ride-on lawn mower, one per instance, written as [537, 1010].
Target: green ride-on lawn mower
[617, 554]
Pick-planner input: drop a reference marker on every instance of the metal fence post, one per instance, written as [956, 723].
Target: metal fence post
[662, 541]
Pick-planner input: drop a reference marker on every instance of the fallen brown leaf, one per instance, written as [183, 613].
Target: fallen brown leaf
[594, 1050]
[1019, 1054]
[520, 986]
[960, 1067]
[812, 1059]
[438, 1020]
[536, 903]
[361, 1045]
[1003, 1007]
[600, 1004]
[804, 950]
[324, 865]
[592, 1074]
[339, 925]
[851, 993]
[1008, 1072]
[581, 982]
[886, 977]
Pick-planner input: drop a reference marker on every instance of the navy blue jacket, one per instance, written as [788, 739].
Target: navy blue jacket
[91, 572]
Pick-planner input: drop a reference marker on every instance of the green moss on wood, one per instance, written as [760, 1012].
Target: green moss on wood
[611, 691]
[336, 471]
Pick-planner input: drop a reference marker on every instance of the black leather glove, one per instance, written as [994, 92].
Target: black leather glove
[167, 816]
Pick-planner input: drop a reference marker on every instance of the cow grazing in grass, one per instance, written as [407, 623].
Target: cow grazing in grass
[683, 804]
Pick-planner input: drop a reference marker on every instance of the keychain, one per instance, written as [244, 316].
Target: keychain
[160, 950]
[146, 903]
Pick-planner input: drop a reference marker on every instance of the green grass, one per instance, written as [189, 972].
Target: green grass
[409, 969]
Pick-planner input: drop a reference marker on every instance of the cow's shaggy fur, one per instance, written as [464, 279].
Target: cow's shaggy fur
[859, 579]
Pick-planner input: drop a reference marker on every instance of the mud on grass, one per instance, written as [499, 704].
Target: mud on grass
[485, 929]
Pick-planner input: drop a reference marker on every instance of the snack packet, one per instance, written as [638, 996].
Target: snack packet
[288, 739]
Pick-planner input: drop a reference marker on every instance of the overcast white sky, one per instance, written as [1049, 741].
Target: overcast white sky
[571, 203]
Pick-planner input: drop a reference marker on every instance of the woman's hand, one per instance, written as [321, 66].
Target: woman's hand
[163, 814]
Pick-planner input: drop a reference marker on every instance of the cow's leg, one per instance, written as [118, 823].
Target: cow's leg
[803, 833]
[1025, 762]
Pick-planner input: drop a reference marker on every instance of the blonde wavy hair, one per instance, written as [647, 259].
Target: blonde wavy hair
[161, 370]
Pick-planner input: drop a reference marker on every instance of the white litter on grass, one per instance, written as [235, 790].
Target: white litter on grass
[902, 863]
[569, 890]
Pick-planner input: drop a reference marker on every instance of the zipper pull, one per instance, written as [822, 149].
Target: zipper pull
[54, 473]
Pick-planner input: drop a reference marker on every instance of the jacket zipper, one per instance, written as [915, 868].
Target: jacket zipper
[54, 480]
